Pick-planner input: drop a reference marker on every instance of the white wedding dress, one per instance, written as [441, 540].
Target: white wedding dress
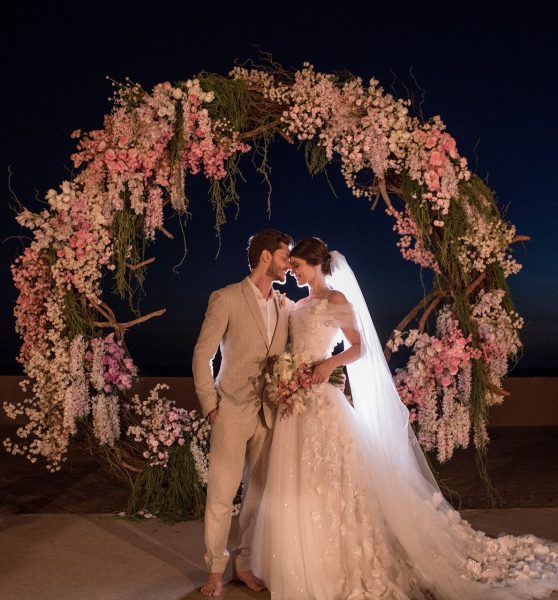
[328, 529]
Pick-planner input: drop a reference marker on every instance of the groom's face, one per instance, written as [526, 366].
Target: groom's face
[279, 264]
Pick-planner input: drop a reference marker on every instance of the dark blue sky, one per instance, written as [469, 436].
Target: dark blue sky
[490, 72]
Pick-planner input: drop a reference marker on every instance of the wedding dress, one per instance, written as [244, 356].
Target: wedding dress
[350, 508]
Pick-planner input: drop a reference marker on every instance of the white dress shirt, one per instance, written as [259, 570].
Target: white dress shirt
[267, 310]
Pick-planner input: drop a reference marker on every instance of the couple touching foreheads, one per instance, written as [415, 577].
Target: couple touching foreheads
[338, 500]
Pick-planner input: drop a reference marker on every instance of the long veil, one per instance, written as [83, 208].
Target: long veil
[431, 533]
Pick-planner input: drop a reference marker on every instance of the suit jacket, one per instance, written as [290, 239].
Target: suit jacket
[234, 323]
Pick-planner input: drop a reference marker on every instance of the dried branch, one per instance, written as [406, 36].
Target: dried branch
[496, 390]
[384, 193]
[141, 264]
[248, 135]
[121, 327]
[167, 233]
[475, 283]
[111, 321]
[411, 315]
[428, 311]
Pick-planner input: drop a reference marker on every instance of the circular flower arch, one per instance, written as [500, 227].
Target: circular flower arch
[133, 172]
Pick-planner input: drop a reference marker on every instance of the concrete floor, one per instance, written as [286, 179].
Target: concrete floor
[99, 557]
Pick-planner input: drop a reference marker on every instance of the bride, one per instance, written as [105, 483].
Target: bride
[350, 508]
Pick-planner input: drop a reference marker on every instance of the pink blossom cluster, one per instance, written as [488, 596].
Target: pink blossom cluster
[409, 231]
[433, 161]
[77, 230]
[77, 402]
[106, 418]
[499, 336]
[131, 154]
[435, 384]
[161, 425]
[63, 377]
[110, 365]
[486, 241]
[367, 129]
[45, 432]
[30, 273]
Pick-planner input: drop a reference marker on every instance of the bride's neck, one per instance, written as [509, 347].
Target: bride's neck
[318, 287]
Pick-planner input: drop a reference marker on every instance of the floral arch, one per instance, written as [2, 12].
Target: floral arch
[134, 171]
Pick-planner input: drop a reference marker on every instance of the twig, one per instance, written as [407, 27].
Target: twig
[410, 316]
[141, 264]
[427, 312]
[496, 390]
[121, 327]
[385, 195]
[246, 135]
[167, 233]
[476, 282]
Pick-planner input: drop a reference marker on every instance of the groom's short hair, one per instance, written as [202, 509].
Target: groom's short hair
[268, 239]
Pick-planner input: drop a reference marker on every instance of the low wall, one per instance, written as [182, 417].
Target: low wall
[533, 401]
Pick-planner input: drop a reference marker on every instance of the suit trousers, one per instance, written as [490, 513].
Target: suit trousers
[236, 448]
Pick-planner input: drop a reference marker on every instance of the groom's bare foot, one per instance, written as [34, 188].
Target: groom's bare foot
[250, 580]
[213, 586]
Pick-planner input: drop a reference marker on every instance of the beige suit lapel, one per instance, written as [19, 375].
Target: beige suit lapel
[278, 309]
[255, 309]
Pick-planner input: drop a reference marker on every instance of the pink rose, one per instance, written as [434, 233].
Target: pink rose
[431, 140]
[437, 159]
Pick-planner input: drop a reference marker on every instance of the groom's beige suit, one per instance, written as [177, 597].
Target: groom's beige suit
[242, 430]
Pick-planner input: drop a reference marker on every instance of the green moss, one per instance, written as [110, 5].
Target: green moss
[173, 493]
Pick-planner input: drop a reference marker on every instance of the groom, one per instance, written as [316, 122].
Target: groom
[249, 321]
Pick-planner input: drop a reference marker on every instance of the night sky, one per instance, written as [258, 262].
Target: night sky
[489, 72]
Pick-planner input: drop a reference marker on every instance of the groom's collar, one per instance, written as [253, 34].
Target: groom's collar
[258, 292]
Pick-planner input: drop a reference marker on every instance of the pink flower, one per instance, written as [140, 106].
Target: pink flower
[437, 159]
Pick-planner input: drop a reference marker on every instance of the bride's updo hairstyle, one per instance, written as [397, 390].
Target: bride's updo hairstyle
[315, 252]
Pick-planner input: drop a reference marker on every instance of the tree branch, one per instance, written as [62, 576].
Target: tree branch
[497, 390]
[411, 315]
[141, 264]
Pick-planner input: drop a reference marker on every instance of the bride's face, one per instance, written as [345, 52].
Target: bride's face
[303, 272]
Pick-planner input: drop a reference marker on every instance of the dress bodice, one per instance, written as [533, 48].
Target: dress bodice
[314, 329]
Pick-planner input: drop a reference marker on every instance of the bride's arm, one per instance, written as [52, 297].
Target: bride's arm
[324, 369]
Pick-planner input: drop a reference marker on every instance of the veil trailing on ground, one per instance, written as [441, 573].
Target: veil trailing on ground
[432, 534]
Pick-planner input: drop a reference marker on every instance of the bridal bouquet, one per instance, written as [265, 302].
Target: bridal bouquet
[289, 382]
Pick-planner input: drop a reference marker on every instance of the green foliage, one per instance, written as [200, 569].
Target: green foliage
[78, 316]
[232, 99]
[315, 157]
[129, 247]
[173, 493]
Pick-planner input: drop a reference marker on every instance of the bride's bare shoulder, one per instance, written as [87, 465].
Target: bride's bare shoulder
[336, 297]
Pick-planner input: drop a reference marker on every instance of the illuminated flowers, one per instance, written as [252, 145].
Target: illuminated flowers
[435, 384]
[289, 383]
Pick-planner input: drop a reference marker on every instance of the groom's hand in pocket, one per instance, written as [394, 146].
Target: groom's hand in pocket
[213, 415]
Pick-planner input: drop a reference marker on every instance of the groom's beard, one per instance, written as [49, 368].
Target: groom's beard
[276, 273]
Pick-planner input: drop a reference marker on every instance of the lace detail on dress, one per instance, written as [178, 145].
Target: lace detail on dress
[341, 507]
[313, 329]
